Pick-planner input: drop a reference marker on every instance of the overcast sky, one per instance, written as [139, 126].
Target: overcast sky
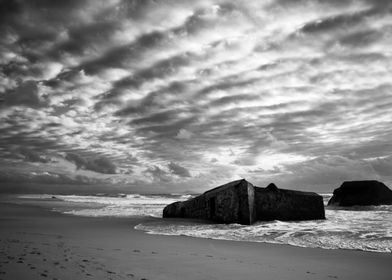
[176, 96]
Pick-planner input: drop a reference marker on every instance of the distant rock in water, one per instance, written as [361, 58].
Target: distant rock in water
[361, 193]
[241, 202]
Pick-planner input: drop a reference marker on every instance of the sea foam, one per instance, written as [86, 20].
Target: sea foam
[367, 228]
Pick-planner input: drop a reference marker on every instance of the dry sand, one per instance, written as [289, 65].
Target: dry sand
[39, 244]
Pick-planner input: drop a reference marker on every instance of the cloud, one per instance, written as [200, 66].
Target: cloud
[33, 156]
[178, 170]
[26, 94]
[44, 178]
[157, 174]
[137, 92]
[338, 22]
[85, 37]
[324, 173]
[98, 164]
[360, 38]
[184, 134]
[382, 166]
[8, 9]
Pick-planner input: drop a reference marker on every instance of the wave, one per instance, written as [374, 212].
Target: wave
[315, 234]
[117, 205]
[367, 228]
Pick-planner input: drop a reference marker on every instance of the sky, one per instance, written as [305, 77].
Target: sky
[165, 96]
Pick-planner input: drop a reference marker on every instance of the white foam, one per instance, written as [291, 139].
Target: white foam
[368, 230]
[362, 228]
[35, 196]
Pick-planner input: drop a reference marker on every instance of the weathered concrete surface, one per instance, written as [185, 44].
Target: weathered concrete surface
[241, 202]
[287, 205]
[361, 193]
[225, 204]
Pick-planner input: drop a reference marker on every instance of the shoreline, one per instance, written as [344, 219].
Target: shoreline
[72, 247]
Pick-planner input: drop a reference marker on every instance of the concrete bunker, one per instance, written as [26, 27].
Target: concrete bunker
[241, 202]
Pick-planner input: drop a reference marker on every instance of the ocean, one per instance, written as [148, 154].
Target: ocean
[357, 228]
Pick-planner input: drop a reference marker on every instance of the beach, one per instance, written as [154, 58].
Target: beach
[37, 243]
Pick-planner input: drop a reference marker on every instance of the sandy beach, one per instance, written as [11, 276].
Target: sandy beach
[36, 243]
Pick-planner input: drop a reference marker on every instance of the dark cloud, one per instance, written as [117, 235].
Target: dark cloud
[43, 178]
[341, 22]
[234, 99]
[225, 85]
[36, 22]
[26, 94]
[124, 56]
[33, 156]
[46, 11]
[164, 131]
[382, 5]
[160, 70]
[327, 2]
[152, 99]
[160, 118]
[9, 8]
[360, 38]
[178, 170]
[81, 38]
[98, 164]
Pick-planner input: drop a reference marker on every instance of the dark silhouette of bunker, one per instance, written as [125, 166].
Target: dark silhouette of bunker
[368, 192]
[241, 202]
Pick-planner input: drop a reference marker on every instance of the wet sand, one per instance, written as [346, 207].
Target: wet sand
[36, 243]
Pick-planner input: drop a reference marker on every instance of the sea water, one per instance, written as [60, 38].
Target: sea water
[358, 228]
